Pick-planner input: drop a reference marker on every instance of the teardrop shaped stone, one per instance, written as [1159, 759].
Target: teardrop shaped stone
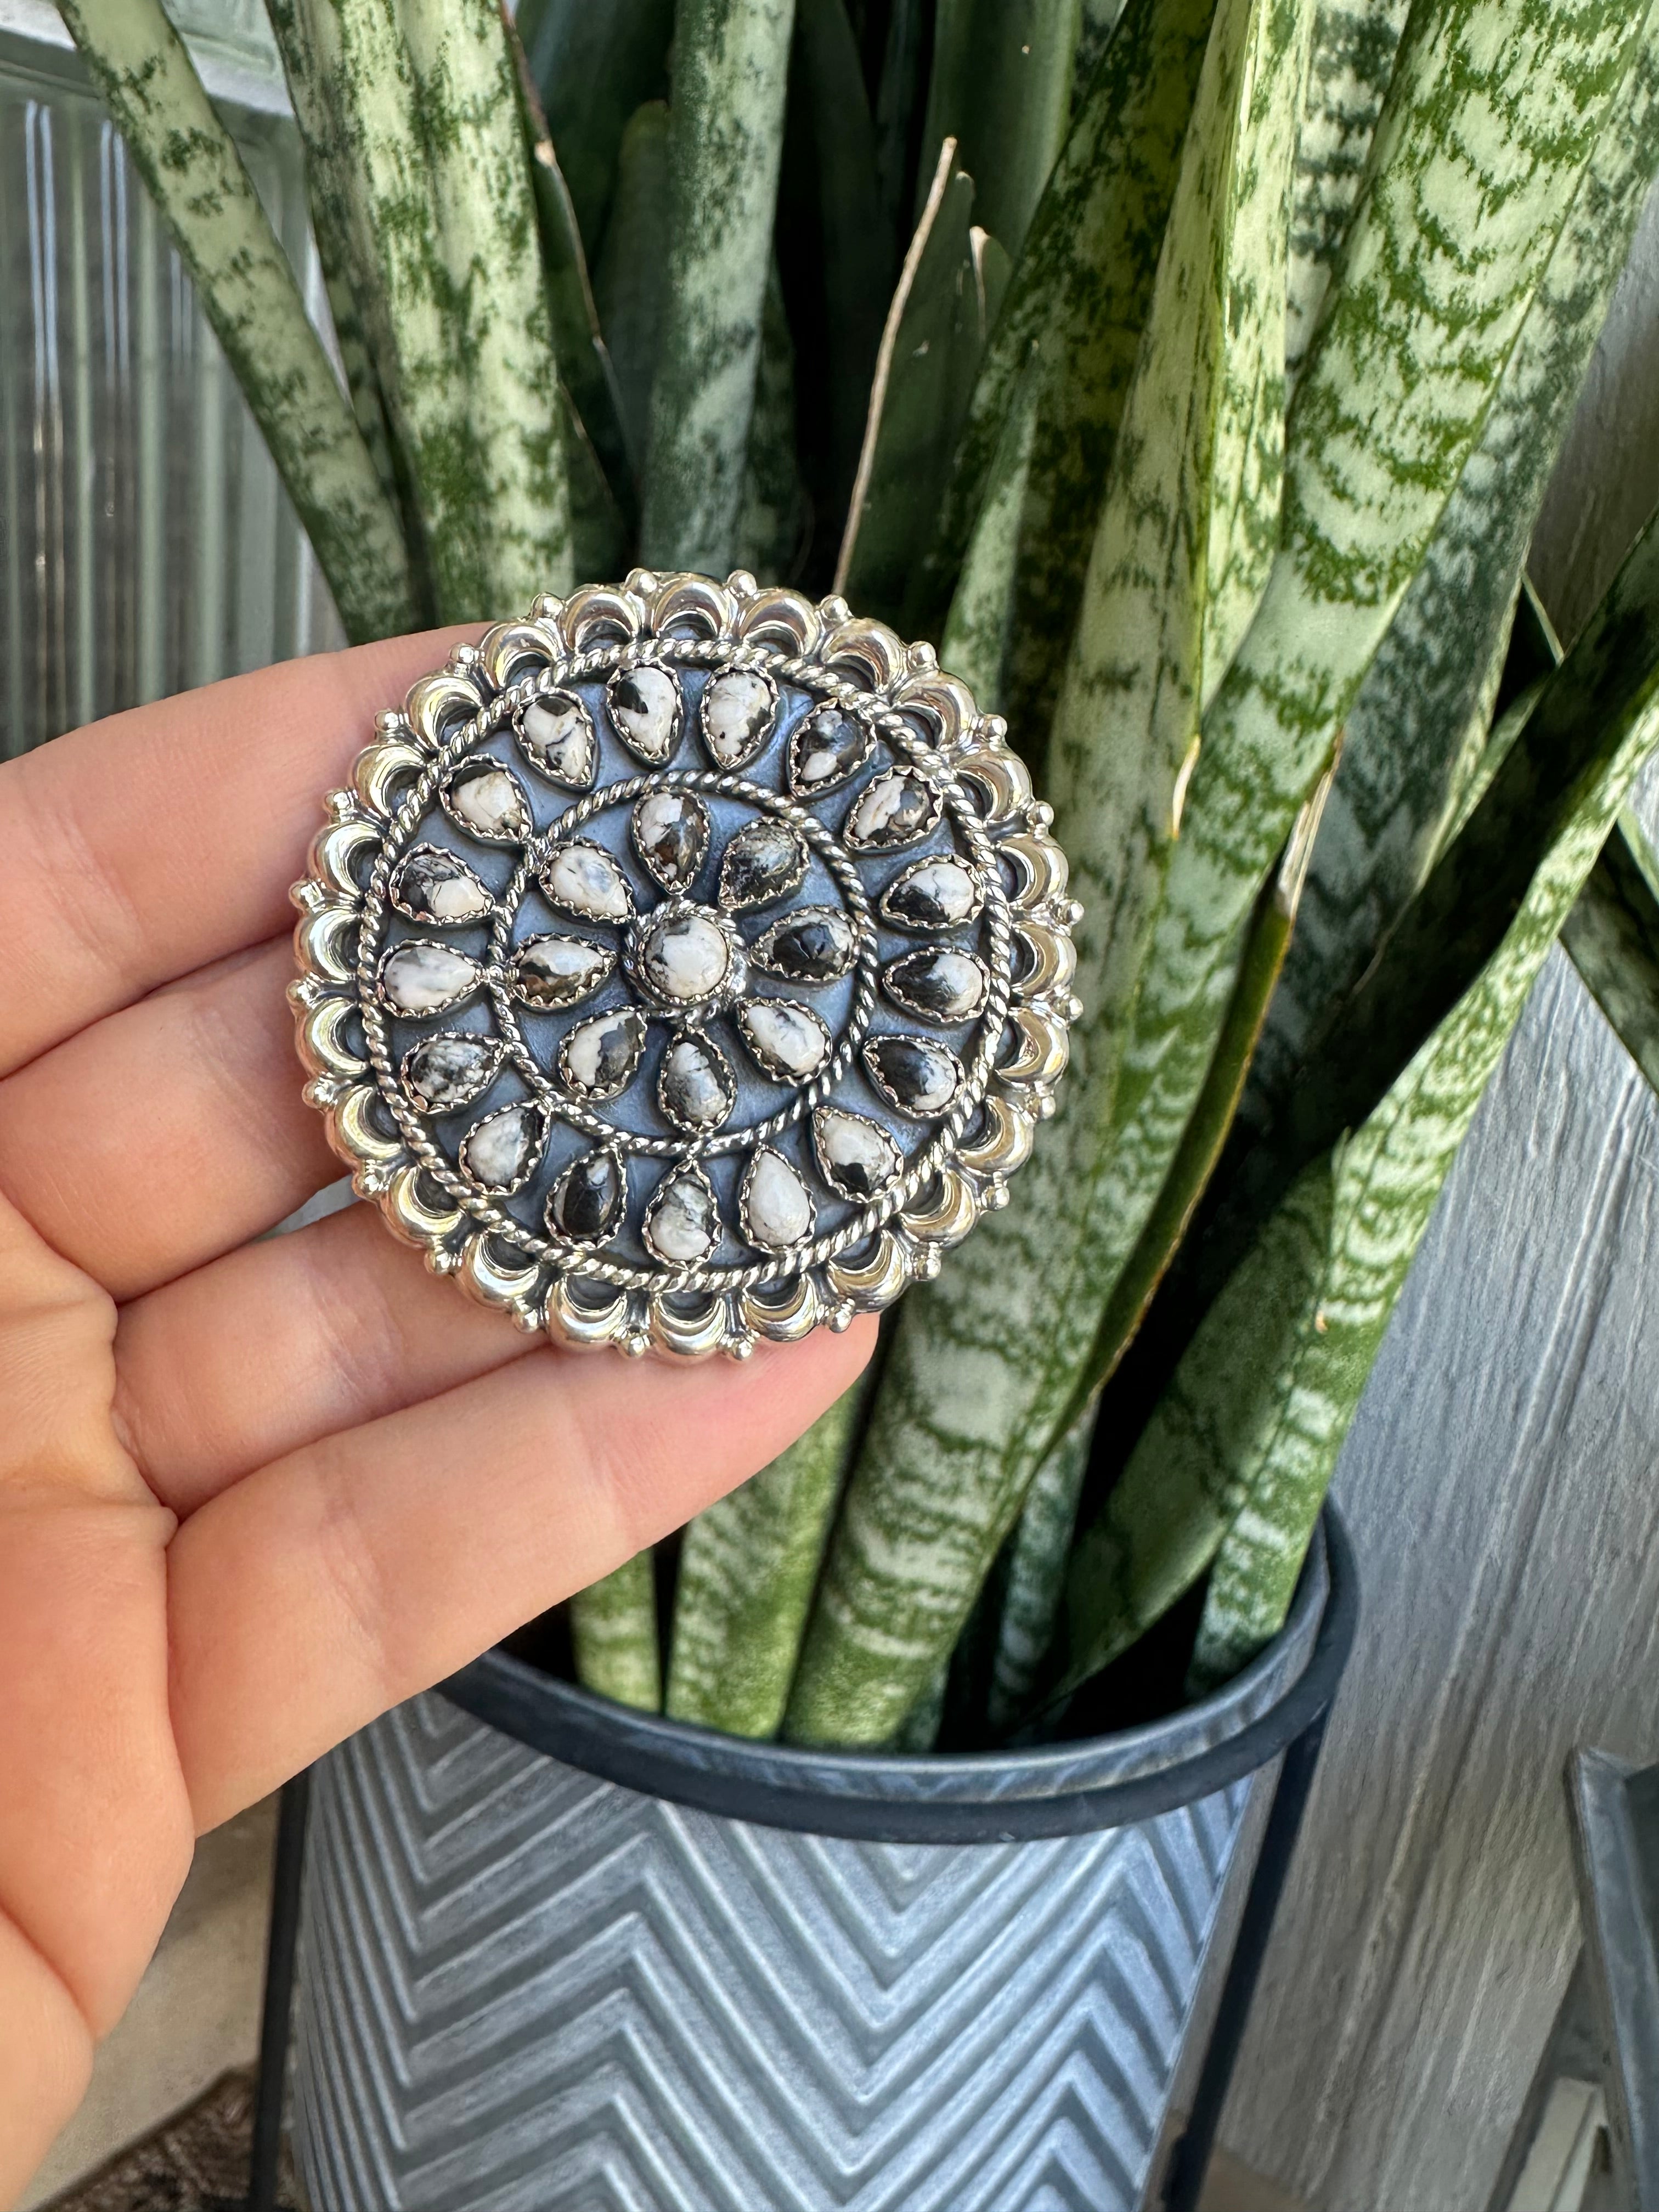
[912, 1073]
[645, 706]
[485, 798]
[682, 1222]
[896, 809]
[600, 1054]
[434, 885]
[671, 835]
[941, 986]
[814, 944]
[442, 1073]
[694, 1083]
[789, 1043]
[933, 894]
[858, 1156]
[426, 979]
[556, 971]
[497, 1151]
[736, 716]
[827, 748]
[777, 1207]
[587, 1200]
[764, 861]
[556, 734]
[584, 879]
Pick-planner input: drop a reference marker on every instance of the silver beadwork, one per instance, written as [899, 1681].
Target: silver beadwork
[687, 965]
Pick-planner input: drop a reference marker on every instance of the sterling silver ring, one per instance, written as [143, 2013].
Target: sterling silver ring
[686, 965]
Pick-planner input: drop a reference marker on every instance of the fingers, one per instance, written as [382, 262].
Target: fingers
[348, 1324]
[343, 1578]
[141, 847]
[45, 2058]
[169, 1132]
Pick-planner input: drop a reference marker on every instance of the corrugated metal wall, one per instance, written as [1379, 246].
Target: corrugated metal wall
[145, 542]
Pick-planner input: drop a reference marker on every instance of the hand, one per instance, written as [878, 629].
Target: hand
[251, 1494]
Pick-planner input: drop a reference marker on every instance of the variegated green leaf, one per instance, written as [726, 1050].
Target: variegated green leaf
[247, 291]
[1234, 1463]
[946, 299]
[1001, 86]
[772, 518]
[1097, 20]
[1416, 730]
[630, 283]
[1494, 104]
[726, 137]
[1076, 306]
[444, 236]
[329, 203]
[1613, 937]
[839, 250]
[748, 1566]
[594, 66]
[1210, 371]
[1354, 45]
[1035, 1580]
[613, 1628]
[585, 366]
[979, 629]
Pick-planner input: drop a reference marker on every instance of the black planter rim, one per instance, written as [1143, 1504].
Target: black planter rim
[780, 1786]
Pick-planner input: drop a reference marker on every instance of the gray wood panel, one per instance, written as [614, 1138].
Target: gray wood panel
[1502, 1482]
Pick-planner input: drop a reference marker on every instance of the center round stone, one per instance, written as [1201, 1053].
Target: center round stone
[686, 956]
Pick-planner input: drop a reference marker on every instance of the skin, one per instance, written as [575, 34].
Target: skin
[251, 1494]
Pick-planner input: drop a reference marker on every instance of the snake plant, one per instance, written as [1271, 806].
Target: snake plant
[1190, 371]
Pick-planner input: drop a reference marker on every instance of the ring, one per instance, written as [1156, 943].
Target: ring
[686, 965]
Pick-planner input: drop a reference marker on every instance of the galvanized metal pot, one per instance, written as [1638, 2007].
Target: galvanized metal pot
[557, 1954]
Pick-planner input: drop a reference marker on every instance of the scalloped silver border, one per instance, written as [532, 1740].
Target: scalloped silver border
[687, 1318]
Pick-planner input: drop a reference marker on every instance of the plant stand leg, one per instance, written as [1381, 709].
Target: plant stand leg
[1189, 2161]
[263, 2166]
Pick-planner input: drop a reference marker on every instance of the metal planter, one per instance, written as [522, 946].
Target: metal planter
[559, 1955]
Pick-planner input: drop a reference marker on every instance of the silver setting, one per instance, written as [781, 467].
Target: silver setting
[828, 1114]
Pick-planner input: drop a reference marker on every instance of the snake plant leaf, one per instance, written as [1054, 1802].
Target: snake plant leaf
[771, 521]
[1000, 86]
[1234, 1463]
[585, 366]
[900, 107]
[986, 1364]
[930, 349]
[1211, 368]
[613, 1628]
[485, 282]
[979, 629]
[247, 291]
[630, 283]
[1354, 45]
[748, 1566]
[1416, 732]
[1612, 937]
[1034, 1584]
[443, 234]
[1097, 20]
[726, 138]
[837, 247]
[329, 200]
[593, 68]
[1076, 306]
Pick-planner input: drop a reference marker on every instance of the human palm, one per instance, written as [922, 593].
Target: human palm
[251, 1493]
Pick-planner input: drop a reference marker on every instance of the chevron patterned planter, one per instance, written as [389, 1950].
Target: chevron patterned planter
[526, 1987]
